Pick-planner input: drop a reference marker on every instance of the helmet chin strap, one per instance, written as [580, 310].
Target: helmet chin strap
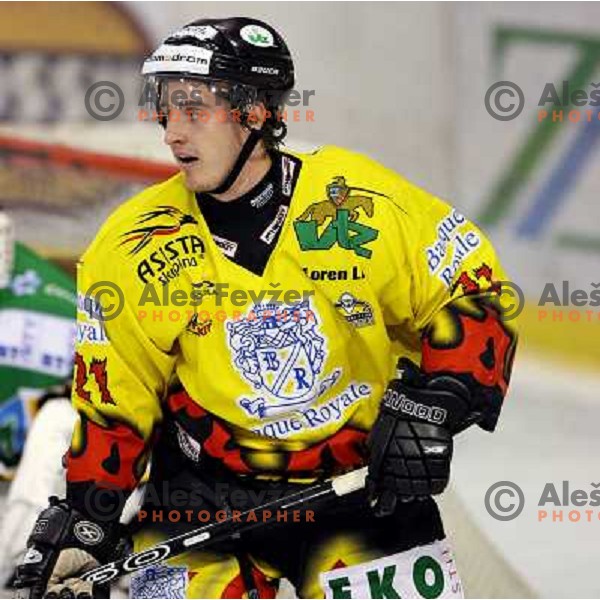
[245, 152]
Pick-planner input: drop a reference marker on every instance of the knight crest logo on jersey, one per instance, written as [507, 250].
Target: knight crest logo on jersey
[280, 351]
[342, 208]
[174, 221]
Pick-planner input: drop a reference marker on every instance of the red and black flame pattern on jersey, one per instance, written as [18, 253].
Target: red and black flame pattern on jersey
[110, 457]
[469, 339]
[342, 451]
[215, 438]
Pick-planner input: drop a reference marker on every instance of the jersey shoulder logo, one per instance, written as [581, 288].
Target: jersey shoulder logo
[341, 211]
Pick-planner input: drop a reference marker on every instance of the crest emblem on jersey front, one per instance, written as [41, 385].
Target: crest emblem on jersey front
[279, 350]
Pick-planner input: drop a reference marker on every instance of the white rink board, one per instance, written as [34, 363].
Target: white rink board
[548, 432]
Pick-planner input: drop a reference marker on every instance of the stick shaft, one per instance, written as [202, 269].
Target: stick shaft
[213, 532]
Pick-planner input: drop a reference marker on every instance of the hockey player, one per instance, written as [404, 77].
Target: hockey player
[319, 313]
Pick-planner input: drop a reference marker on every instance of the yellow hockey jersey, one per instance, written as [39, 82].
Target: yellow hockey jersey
[285, 362]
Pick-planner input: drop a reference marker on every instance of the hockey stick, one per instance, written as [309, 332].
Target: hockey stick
[227, 529]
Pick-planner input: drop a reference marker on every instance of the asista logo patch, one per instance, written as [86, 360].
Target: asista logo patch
[166, 263]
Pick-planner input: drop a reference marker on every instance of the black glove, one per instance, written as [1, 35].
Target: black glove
[63, 545]
[410, 443]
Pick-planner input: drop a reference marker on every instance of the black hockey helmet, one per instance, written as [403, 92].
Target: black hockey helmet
[237, 50]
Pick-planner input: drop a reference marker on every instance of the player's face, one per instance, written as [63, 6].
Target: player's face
[202, 132]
